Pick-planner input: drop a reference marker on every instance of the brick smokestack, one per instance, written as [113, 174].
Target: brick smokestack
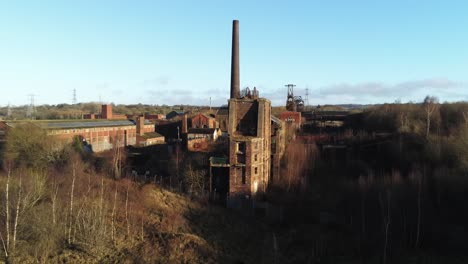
[235, 69]
[106, 111]
[184, 124]
[140, 125]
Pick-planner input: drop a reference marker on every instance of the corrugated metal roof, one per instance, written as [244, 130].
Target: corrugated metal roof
[52, 124]
[147, 122]
[75, 124]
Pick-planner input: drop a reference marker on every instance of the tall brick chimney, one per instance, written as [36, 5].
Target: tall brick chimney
[235, 68]
[140, 125]
[106, 111]
[184, 124]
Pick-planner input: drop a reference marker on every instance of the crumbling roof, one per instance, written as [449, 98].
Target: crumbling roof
[218, 160]
[173, 114]
[276, 120]
[151, 135]
[207, 116]
[201, 130]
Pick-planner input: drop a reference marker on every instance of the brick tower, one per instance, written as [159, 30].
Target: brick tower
[249, 128]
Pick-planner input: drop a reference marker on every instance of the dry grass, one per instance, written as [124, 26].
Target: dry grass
[148, 224]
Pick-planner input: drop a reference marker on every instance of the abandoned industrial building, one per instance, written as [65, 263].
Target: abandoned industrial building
[253, 140]
[256, 140]
[101, 134]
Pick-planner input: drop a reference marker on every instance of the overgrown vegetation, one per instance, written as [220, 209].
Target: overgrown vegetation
[62, 210]
[391, 188]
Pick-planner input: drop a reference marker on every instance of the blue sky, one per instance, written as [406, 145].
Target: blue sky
[178, 52]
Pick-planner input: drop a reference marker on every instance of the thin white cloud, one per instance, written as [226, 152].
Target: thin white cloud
[360, 93]
[162, 80]
[382, 90]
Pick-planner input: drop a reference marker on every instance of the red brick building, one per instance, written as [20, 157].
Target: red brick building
[99, 135]
[153, 117]
[106, 113]
[222, 117]
[291, 117]
[203, 121]
[200, 139]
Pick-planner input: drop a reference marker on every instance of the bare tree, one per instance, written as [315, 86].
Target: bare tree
[7, 208]
[71, 205]
[299, 159]
[18, 203]
[194, 179]
[142, 226]
[465, 116]
[418, 228]
[117, 159]
[4, 247]
[431, 104]
[386, 219]
[54, 204]
[101, 204]
[126, 211]
[6, 243]
[113, 215]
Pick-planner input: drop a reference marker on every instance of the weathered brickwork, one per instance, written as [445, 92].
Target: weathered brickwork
[102, 138]
[203, 121]
[249, 147]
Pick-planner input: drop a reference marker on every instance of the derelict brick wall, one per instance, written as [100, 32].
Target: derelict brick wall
[243, 117]
[202, 121]
[100, 138]
[291, 117]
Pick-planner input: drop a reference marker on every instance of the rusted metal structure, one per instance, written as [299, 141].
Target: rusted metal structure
[290, 104]
[293, 103]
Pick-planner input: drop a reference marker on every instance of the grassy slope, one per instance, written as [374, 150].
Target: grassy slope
[179, 230]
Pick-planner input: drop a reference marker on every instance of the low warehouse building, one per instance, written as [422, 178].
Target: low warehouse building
[99, 135]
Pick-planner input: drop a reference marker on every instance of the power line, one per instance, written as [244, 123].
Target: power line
[31, 112]
[9, 111]
[74, 97]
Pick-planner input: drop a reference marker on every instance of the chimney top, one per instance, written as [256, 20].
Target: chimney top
[235, 68]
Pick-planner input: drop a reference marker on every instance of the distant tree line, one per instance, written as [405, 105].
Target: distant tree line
[75, 111]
